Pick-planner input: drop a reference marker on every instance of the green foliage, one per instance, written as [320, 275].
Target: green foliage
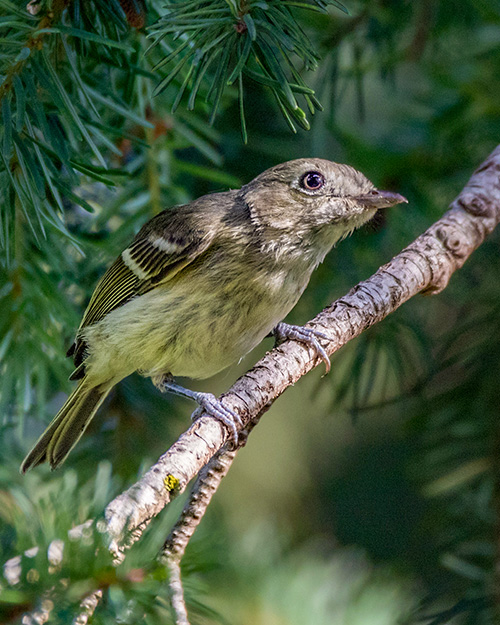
[54, 107]
[217, 43]
[37, 579]
[38, 574]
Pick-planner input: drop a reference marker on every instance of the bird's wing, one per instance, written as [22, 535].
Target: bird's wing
[161, 249]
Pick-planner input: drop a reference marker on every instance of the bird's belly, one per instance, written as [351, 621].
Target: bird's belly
[193, 333]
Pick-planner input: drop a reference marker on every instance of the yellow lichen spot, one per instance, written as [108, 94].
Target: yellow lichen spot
[32, 576]
[171, 482]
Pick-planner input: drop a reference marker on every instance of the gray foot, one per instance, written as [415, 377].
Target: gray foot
[208, 404]
[308, 336]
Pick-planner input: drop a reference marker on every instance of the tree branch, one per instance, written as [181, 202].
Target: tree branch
[424, 266]
[204, 488]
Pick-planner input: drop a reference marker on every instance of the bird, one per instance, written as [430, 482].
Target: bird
[203, 283]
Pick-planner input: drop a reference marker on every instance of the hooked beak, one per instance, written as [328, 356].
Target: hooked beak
[380, 199]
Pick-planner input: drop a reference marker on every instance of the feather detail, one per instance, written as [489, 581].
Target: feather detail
[147, 257]
[158, 252]
[79, 372]
[116, 287]
[133, 266]
[66, 428]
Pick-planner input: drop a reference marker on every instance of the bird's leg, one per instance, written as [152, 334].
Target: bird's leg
[207, 403]
[308, 336]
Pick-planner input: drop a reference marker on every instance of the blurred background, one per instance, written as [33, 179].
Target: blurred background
[368, 496]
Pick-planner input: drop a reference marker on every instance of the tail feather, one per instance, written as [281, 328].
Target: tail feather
[66, 428]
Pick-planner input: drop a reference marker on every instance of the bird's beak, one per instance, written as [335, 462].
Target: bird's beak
[380, 199]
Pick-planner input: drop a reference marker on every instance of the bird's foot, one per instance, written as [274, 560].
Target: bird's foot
[207, 404]
[308, 336]
[212, 406]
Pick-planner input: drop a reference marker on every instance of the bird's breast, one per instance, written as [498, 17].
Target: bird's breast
[195, 325]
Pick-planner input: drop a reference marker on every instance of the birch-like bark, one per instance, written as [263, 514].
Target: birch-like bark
[424, 266]
[204, 488]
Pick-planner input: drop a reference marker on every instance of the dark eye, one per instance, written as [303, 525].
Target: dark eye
[312, 181]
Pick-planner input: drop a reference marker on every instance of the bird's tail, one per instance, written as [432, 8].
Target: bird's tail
[66, 428]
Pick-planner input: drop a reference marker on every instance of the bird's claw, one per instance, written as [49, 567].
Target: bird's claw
[308, 336]
[209, 404]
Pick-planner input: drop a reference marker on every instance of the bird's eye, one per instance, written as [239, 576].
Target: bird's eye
[312, 181]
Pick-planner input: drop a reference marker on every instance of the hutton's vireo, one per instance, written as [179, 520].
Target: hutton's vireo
[203, 283]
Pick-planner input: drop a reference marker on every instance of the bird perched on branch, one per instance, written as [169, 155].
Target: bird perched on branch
[203, 283]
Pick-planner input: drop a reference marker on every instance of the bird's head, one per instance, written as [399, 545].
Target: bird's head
[315, 199]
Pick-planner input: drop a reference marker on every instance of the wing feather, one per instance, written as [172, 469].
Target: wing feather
[157, 253]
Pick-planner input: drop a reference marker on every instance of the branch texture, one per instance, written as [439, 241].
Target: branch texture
[424, 266]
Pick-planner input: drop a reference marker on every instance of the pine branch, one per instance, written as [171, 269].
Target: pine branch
[34, 41]
[213, 44]
[88, 606]
[53, 103]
